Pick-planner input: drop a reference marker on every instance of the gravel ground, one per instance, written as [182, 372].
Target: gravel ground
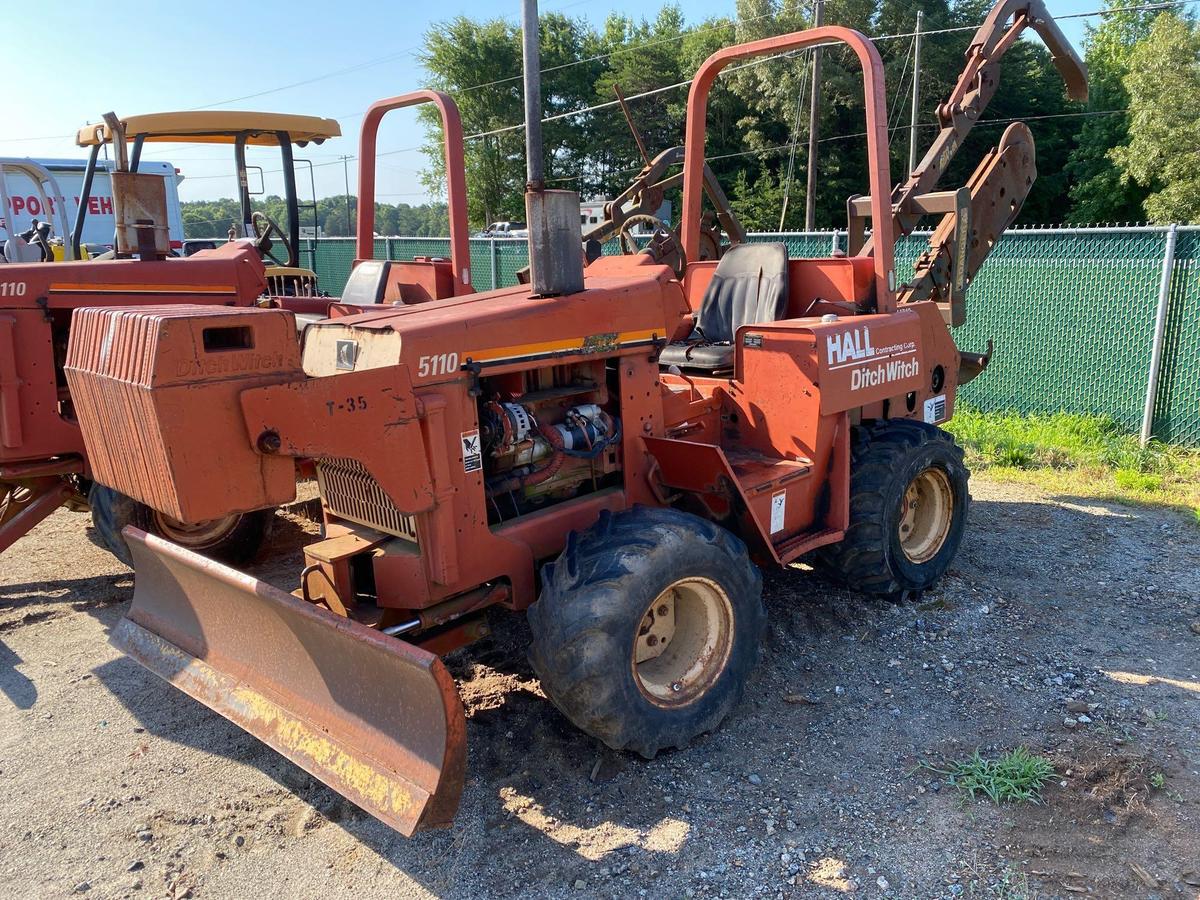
[1071, 627]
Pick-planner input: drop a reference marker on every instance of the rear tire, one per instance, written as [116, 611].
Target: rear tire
[647, 628]
[234, 539]
[908, 508]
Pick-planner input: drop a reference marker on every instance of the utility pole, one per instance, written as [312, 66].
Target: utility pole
[346, 173]
[916, 98]
[810, 193]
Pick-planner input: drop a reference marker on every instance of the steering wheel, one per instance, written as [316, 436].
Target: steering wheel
[664, 246]
[263, 226]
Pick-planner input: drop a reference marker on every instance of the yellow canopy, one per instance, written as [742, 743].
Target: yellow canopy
[216, 127]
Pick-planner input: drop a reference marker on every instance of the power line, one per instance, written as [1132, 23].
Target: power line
[620, 50]
[898, 128]
[338, 72]
[758, 61]
[1167, 4]
[763, 151]
[792, 53]
[596, 107]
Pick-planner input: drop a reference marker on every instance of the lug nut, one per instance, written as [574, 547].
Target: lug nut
[677, 686]
[662, 610]
[651, 641]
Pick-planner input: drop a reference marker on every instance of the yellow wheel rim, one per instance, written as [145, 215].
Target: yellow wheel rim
[927, 515]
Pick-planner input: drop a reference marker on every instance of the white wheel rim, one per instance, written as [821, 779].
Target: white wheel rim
[683, 642]
[927, 515]
[197, 535]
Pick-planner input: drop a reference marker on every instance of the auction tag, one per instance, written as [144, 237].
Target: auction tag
[778, 508]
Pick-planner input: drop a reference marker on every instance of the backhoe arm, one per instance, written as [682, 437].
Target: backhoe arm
[974, 216]
[976, 85]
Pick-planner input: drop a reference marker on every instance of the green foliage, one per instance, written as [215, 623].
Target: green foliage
[212, 218]
[755, 112]
[1016, 777]
[1133, 480]
[1098, 192]
[479, 63]
[1057, 440]
[1163, 83]
[1082, 454]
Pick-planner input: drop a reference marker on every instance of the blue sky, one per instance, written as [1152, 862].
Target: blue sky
[137, 57]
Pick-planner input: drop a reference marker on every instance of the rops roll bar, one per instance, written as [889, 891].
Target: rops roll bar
[456, 182]
[877, 140]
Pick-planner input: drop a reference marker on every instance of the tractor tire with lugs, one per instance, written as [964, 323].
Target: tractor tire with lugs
[648, 626]
[908, 508]
[234, 539]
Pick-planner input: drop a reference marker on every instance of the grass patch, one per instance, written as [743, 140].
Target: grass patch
[1016, 777]
[1084, 455]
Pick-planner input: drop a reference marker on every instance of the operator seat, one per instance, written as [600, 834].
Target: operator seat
[749, 286]
[18, 250]
[367, 283]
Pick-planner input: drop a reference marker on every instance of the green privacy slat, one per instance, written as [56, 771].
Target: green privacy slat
[1071, 314]
[1177, 410]
[1073, 320]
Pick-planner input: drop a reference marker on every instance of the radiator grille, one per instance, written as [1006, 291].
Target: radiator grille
[349, 492]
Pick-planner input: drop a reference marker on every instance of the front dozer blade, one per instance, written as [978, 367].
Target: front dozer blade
[375, 718]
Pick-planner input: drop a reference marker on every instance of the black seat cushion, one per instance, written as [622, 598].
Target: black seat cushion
[749, 286]
[709, 357]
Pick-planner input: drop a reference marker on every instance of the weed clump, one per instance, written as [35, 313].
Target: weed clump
[1016, 777]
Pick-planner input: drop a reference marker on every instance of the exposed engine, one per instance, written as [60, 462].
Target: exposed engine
[546, 437]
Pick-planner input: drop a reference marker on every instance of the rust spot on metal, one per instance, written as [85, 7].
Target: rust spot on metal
[373, 717]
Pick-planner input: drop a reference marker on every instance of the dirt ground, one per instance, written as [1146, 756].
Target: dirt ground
[1067, 626]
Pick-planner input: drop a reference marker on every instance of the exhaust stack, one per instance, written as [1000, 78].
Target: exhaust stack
[555, 248]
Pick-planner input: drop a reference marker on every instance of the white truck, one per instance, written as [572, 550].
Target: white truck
[506, 230]
[26, 201]
[591, 213]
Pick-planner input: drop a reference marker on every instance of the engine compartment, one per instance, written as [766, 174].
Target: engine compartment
[547, 435]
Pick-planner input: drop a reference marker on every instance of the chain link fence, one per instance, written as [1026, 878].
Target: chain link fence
[1072, 312]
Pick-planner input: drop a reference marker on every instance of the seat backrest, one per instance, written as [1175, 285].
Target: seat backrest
[18, 250]
[749, 286]
[367, 282]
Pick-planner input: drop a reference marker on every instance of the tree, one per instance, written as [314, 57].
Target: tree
[1163, 83]
[479, 63]
[1098, 191]
[757, 113]
[212, 218]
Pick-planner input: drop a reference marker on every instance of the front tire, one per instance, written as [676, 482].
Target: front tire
[908, 508]
[647, 628]
[233, 539]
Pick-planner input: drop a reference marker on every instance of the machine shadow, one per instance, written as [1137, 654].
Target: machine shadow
[20, 691]
[99, 591]
[531, 773]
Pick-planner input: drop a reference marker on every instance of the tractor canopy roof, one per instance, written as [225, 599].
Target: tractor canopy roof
[216, 127]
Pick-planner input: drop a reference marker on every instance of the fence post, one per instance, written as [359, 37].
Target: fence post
[834, 249]
[387, 249]
[1160, 328]
[495, 268]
